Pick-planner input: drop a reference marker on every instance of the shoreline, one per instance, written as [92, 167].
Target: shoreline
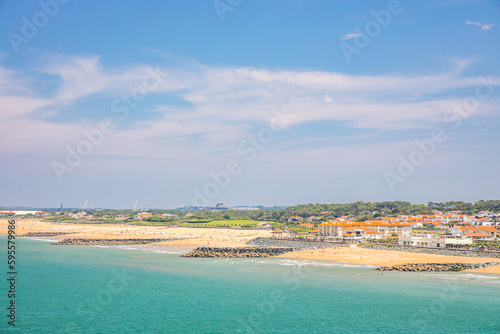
[362, 256]
[206, 237]
[150, 247]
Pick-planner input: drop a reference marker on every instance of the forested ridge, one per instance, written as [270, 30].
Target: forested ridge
[357, 210]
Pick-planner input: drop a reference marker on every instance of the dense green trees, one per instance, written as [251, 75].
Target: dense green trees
[357, 211]
[467, 208]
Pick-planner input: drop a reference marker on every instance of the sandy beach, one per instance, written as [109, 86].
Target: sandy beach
[191, 236]
[194, 237]
[358, 255]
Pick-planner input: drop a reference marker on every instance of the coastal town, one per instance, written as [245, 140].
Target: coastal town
[451, 230]
[428, 239]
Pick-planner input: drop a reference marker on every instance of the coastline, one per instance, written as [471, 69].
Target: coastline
[193, 237]
[358, 255]
[203, 237]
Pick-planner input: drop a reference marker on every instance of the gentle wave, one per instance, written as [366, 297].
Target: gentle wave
[305, 262]
[464, 277]
[41, 239]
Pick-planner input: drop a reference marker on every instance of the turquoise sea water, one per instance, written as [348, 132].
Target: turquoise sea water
[80, 289]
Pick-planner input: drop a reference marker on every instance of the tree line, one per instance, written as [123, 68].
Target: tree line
[359, 211]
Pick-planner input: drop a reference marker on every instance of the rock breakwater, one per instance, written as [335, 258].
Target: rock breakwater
[75, 241]
[436, 251]
[45, 234]
[237, 252]
[437, 266]
[295, 244]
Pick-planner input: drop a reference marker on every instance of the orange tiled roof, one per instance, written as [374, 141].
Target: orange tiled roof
[365, 223]
[336, 223]
[486, 228]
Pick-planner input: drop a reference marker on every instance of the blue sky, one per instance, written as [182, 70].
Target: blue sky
[265, 102]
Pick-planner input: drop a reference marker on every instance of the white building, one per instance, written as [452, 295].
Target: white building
[435, 240]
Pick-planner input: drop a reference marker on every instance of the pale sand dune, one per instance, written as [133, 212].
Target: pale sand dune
[237, 238]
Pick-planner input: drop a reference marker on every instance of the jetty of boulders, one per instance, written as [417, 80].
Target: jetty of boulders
[295, 244]
[437, 266]
[45, 234]
[238, 252]
[135, 241]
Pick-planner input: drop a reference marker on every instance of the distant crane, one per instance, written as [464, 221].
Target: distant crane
[249, 205]
[60, 208]
[135, 205]
[84, 207]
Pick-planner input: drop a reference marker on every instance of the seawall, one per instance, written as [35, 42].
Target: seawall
[75, 241]
[237, 252]
[45, 234]
[437, 266]
[295, 244]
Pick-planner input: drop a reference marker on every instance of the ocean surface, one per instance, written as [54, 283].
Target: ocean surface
[121, 289]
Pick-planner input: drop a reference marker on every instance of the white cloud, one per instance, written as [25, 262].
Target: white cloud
[328, 99]
[50, 113]
[81, 76]
[349, 36]
[224, 105]
[15, 107]
[485, 27]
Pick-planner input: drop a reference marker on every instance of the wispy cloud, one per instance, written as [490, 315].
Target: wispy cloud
[81, 76]
[220, 106]
[485, 27]
[349, 36]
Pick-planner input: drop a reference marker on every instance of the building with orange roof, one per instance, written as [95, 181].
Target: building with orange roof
[336, 228]
[7, 213]
[491, 230]
[277, 233]
[263, 225]
[41, 213]
[373, 235]
[143, 215]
